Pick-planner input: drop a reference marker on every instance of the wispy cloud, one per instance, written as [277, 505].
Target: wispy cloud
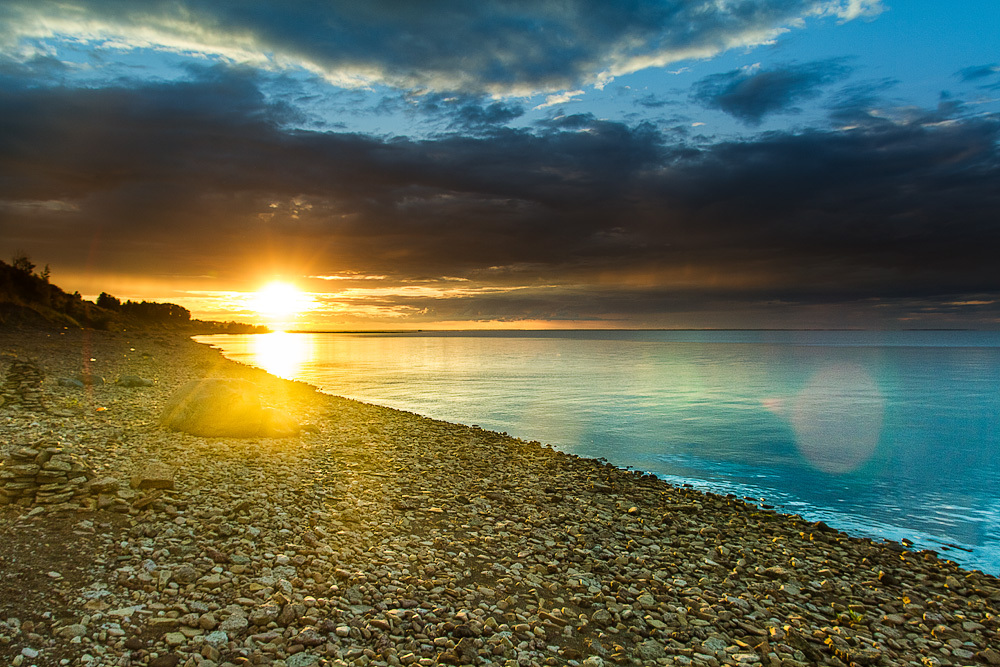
[853, 9]
[560, 98]
[986, 76]
[347, 276]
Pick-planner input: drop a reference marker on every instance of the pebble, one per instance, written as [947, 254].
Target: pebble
[383, 538]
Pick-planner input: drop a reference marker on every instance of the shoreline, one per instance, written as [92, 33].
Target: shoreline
[905, 524]
[389, 538]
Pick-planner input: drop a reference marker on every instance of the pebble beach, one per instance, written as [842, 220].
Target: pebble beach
[380, 537]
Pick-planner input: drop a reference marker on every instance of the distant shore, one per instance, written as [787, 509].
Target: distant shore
[383, 538]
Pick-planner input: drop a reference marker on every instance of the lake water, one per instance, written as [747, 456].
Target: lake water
[890, 434]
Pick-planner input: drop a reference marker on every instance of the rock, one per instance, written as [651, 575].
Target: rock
[163, 624]
[887, 579]
[450, 658]
[70, 631]
[217, 638]
[220, 407]
[714, 645]
[265, 614]
[857, 656]
[288, 615]
[989, 656]
[601, 617]
[185, 575]
[155, 475]
[216, 555]
[168, 660]
[309, 637]
[88, 379]
[649, 651]
[646, 601]
[59, 465]
[23, 385]
[49, 477]
[134, 381]
[234, 625]
[70, 382]
[464, 630]
[105, 485]
[124, 611]
[175, 639]
[302, 660]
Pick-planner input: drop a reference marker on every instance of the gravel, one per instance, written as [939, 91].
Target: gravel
[379, 537]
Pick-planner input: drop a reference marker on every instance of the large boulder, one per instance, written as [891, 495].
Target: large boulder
[224, 408]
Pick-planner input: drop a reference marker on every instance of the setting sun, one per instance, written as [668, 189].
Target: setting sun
[280, 300]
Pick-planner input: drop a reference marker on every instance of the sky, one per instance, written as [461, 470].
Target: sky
[517, 164]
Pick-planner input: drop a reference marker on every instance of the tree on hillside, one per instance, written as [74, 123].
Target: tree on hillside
[105, 300]
[22, 262]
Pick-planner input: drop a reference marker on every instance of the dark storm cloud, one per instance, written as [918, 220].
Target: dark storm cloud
[205, 174]
[497, 46]
[751, 93]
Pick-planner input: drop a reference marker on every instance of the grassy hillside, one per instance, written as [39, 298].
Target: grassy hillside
[28, 299]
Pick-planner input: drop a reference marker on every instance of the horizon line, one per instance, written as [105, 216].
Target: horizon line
[474, 330]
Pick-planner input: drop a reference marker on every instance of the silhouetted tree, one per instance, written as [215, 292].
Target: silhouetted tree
[105, 300]
[22, 262]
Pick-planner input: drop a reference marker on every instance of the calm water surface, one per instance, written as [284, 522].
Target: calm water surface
[891, 435]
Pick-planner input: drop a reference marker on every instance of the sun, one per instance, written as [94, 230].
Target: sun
[280, 300]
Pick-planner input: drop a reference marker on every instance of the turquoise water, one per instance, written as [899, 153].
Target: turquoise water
[891, 434]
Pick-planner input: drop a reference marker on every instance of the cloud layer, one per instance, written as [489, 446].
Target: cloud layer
[480, 161]
[578, 218]
[506, 48]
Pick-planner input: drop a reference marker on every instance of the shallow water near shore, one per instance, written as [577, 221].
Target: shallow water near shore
[891, 434]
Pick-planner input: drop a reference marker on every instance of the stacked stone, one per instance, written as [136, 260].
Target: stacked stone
[47, 476]
[23, 386]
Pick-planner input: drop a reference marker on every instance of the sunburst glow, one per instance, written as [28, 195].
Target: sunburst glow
[279, 300]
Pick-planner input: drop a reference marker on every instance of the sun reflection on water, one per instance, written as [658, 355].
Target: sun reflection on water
[280, 353]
